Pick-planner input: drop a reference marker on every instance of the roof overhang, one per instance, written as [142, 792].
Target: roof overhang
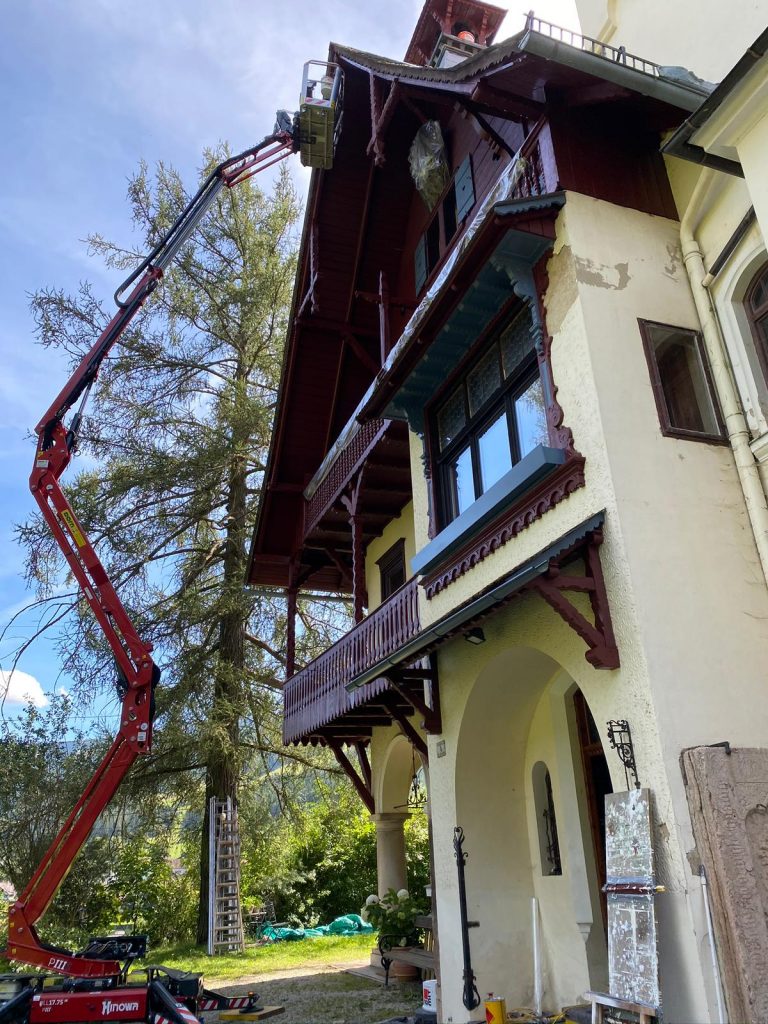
[710, 135]
[486, 271]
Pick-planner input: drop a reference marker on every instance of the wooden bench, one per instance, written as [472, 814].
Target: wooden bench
[421, 957]
[600, 1000]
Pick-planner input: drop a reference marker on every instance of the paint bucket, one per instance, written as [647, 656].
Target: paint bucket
[428, 993]
[495, 1010]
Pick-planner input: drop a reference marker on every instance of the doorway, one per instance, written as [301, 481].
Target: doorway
[597, 784]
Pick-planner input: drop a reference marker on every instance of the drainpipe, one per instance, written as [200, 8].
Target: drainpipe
[735, 422]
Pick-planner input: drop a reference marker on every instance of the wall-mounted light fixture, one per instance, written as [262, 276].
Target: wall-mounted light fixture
[475, 635]
[620, 738]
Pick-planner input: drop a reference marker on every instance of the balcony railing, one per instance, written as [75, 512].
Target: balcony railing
[317, 695]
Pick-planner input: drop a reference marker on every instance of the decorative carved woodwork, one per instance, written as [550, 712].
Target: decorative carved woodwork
[348, 462]
[554, 586]
[316, 695]
[380, 121]
[544, 496]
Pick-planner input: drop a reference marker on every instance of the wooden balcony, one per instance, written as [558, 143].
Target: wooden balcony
[316, 696]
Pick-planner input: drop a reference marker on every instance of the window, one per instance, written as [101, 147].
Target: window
[392, 569]
[491, 419]
[756, 305]
[454, 206]
[546, 821]
[681, 382]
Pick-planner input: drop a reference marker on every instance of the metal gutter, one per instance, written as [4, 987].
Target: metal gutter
[676, 94]
[679, 143]
[441, 630]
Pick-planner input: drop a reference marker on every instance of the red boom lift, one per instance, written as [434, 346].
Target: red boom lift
[96, 986]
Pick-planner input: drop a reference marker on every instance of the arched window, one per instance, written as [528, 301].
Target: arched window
[756, 305]
[546, 823]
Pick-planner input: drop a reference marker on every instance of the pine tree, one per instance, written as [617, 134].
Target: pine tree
[175, 443]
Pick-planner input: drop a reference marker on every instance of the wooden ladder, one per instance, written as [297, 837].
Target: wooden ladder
[225, 927]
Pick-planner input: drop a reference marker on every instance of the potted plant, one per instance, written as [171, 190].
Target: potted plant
[394, 918]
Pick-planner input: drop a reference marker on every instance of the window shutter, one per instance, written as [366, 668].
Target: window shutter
[420, 263]
[465, 189]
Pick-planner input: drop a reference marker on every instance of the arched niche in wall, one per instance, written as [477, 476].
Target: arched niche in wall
[546, 820]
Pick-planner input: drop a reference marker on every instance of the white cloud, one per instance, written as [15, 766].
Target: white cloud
[18, 687]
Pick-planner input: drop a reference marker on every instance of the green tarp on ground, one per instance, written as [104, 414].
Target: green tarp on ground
[348, 924]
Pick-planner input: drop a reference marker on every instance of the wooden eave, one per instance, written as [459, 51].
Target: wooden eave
[355, 227]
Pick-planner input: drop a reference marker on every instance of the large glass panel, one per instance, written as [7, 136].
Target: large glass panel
[495, 455]
[463, 485]
[531, 418]
[484, 380]
[516, 342]
[451, 418]
[683, 380]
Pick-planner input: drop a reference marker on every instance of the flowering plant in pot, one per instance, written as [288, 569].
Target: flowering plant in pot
[394, 917]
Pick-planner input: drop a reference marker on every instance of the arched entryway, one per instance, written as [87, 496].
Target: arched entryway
[524, 805]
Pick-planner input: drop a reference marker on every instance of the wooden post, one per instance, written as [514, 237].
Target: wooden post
[351, 502]
[383, 315]
[290, 638]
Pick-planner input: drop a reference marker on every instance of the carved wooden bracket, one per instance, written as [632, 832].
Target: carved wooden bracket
[381, 116]
[408, 730]
[554, 586]
[360, 780]
[429, 710]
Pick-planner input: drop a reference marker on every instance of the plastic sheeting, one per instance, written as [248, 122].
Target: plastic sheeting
[428, 163]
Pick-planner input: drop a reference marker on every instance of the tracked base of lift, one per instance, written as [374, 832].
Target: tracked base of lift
[261, 1014]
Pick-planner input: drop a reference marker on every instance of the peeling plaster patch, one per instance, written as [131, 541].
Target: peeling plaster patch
[675, 260]
[598, 275]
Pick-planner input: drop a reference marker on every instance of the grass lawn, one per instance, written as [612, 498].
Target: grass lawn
[277, 956]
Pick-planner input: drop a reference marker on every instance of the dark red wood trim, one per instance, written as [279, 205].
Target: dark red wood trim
[598, 636]
[432, 718]
[667, 429]
[376, 144]
[560, 436]
[550, 492]
[351, 502]
[348, 462]
[408, 730]
[364, 792]
[365, 764]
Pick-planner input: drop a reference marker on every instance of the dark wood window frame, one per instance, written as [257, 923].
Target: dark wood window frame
[667, 427]
[502, 400]
[446, 220]
[391, 566]
[757, 314]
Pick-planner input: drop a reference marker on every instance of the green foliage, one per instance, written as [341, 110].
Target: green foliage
[176, 438]
[394, 915]
[320, 862]
[154, 896]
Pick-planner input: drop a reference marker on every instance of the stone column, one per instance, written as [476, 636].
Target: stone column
[390, 850]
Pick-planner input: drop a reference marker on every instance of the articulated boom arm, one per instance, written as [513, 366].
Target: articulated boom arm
[137, 673]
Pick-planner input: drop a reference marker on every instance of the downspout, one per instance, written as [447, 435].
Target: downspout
[735, 422]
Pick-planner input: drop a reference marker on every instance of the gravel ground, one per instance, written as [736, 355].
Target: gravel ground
[327, 995]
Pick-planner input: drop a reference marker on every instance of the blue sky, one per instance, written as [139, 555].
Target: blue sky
[90, 88]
